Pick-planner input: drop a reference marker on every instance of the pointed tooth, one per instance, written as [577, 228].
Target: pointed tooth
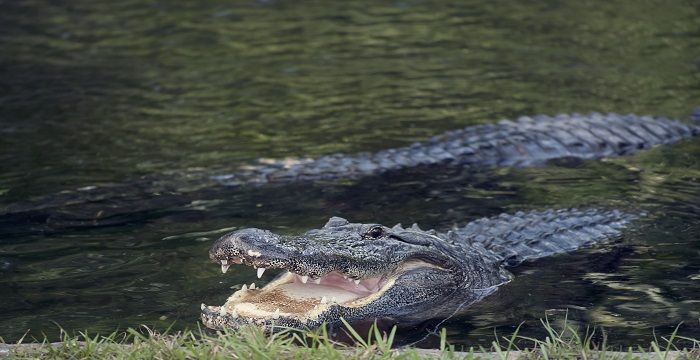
[304, 279]
[334, 299]
[276, 315]
[245, 287]
[317, 281]
[202, 307]
[224, 262]
[224, 268]
[261, 271]
[357, 282]
[222, 311]
[252, 286]
[234, 314]
[324, 300]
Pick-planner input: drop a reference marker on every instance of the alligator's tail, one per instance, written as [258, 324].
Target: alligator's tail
[522, 236]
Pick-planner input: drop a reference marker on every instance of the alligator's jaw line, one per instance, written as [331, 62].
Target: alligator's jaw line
[295, 296]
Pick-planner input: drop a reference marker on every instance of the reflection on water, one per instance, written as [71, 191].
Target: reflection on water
[93, 92]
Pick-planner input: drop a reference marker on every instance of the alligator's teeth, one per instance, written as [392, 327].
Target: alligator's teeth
[304, 279]
[317, 281]
[224, 268]
[357, 282]
[334, 299]
[222, 311]
[245, 287]
[234, 314]
[252, 286]
[324, 300]
[224, 262]
[260, 272]
[202, 307]
[276, 315]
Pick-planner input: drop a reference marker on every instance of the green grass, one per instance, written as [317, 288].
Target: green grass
[252, 343]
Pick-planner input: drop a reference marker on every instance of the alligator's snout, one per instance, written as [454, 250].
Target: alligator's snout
[232, 244]
[254, 247]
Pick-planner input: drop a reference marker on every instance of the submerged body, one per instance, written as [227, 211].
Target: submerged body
[526, 141]
[362, 272]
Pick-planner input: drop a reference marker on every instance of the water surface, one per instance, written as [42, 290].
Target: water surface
[96, 92]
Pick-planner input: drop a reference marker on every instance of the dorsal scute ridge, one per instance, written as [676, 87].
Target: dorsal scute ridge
[538, 233]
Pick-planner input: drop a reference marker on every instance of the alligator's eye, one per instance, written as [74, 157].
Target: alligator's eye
[375, 232]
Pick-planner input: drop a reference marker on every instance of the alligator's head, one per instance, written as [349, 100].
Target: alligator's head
[350, 271]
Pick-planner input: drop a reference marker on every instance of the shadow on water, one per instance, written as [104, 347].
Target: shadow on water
[94, 93]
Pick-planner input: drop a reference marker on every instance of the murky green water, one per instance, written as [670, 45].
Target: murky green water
[97, 92]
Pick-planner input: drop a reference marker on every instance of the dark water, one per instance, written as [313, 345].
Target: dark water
[99, 92]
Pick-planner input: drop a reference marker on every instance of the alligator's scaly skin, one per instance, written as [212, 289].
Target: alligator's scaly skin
[526, 141]
[464, 265]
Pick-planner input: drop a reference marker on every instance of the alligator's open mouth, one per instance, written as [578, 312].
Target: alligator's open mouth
[300, 297]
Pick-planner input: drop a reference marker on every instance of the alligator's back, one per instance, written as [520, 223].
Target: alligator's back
[522, 236]
[533, 140]
[527, 141]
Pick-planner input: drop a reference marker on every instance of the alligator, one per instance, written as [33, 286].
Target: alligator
[526, 141]
[404, 275]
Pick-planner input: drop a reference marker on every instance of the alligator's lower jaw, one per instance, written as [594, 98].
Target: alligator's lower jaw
[291, 298]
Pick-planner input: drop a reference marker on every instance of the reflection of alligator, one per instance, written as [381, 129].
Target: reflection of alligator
[369, 271]
[527, 141]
